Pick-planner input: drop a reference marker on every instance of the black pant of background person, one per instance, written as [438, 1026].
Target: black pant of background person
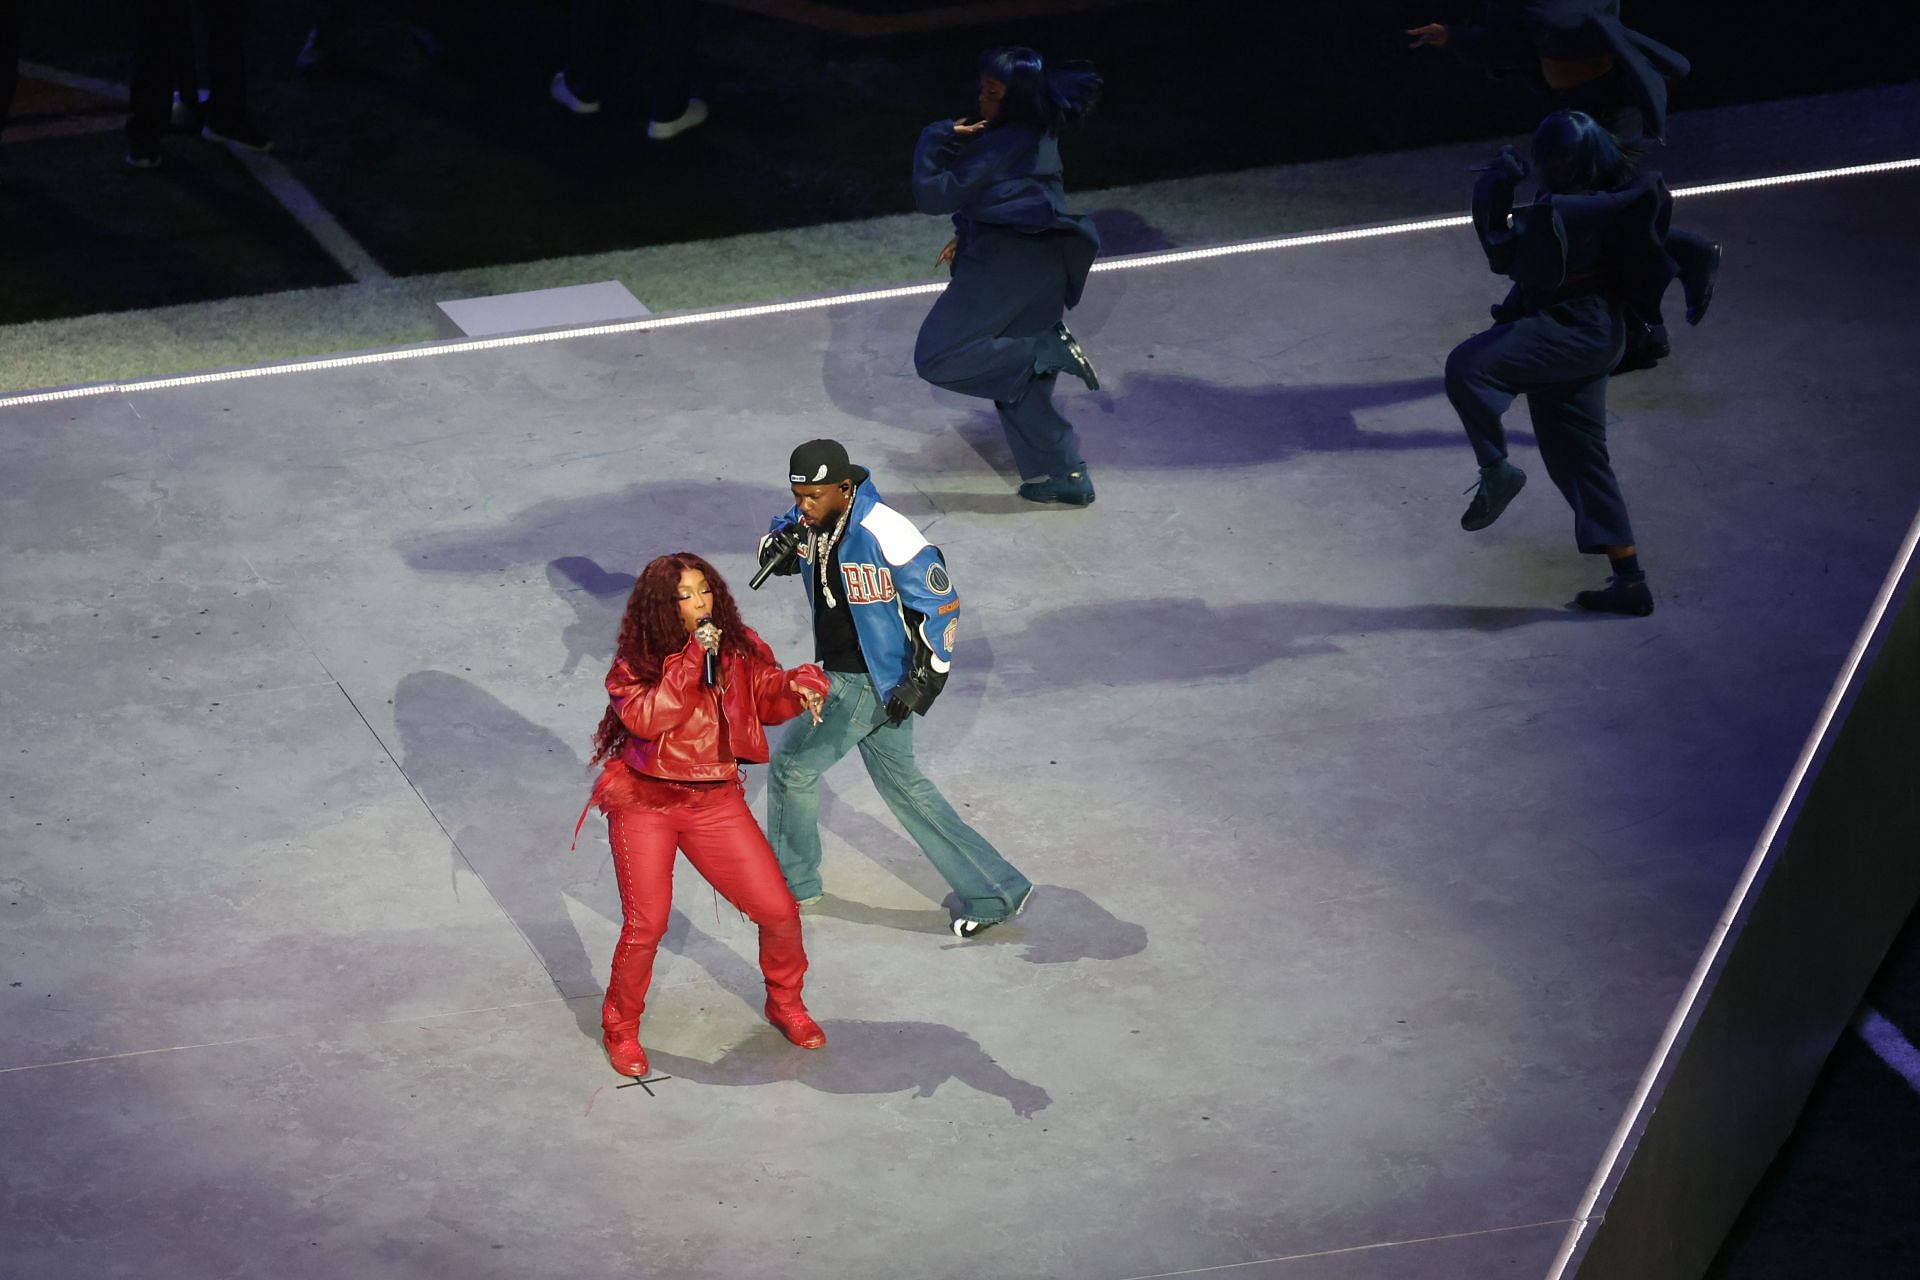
[9, 56]
[337, 25]
[166, 27]
[671, 28]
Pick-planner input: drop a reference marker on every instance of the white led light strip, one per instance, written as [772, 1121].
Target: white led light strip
[873, 295]
[1461, 220]
[1583, 1217]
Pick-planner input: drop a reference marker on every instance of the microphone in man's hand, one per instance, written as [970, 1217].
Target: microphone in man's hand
[779, 552]
[713, 659]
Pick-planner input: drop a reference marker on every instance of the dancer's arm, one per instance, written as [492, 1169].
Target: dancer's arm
[780, 695]
[1493, 208]
[1498, 45]
[947, 174]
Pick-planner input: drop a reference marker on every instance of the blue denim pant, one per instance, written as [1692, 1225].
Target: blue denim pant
[988, 885]
[985, 334]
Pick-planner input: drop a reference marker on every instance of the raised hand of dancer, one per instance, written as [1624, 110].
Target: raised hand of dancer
[811, 699]
[1433, 36]
[1509, 164]
[963, 129]
[946, 254]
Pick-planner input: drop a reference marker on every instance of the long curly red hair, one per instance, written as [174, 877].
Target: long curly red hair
[651, 632]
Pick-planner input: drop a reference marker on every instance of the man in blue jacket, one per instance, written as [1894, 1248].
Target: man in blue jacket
[884, 619]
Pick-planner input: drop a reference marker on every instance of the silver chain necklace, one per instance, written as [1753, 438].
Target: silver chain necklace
[826, 556]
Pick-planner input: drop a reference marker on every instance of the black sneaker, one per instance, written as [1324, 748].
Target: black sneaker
[245, 136]
[1071, 488]
[1646, 347]
[186, 115]
[1698, 286]
[1621, 595]
[1075, 361]
[1497, 486]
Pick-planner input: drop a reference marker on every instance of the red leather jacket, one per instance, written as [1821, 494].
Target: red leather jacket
[679, 724]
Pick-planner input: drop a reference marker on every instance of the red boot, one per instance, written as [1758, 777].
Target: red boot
[624, 1052]
[795, 1024]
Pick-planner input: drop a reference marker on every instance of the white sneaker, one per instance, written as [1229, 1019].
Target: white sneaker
[562, 94]
[965, 927]
[185, 115]
[692, 118]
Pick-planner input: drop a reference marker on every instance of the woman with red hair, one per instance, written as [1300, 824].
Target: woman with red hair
[690, 689]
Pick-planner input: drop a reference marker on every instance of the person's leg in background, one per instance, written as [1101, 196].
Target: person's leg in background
[1570, 424]
[184, 114]
[229, 115]
[10, 15]
[150, 86]
[578, 85]
[1482, 378]
[1045, 447]
[996, 333]
[674, 27]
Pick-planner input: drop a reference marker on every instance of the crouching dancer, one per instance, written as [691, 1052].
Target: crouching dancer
[1019, 257]
[1592, 246]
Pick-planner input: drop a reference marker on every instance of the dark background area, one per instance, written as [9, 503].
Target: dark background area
[460, 160]
[1838, 1203]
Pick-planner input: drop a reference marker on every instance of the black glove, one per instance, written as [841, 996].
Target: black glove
[1508, 309]
[913, 695]
[777, 551]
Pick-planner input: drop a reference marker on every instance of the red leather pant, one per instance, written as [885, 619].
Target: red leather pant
[723, 842]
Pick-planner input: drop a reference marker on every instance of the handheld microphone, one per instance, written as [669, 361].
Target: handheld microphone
[713, 659]
[785, 545]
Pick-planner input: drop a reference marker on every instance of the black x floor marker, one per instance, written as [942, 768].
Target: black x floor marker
[643, 1083]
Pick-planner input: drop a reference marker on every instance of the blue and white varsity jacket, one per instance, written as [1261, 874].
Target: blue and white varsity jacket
[905, 612]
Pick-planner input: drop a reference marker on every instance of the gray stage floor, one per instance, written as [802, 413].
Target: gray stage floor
[1369, 872]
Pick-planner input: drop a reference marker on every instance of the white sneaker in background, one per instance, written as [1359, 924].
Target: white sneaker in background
[694, 116]
[186, 115]
[563, 94]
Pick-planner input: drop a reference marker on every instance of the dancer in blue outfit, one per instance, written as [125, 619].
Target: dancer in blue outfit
[1019, 257]
[1591, 246]
[1584, 59]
